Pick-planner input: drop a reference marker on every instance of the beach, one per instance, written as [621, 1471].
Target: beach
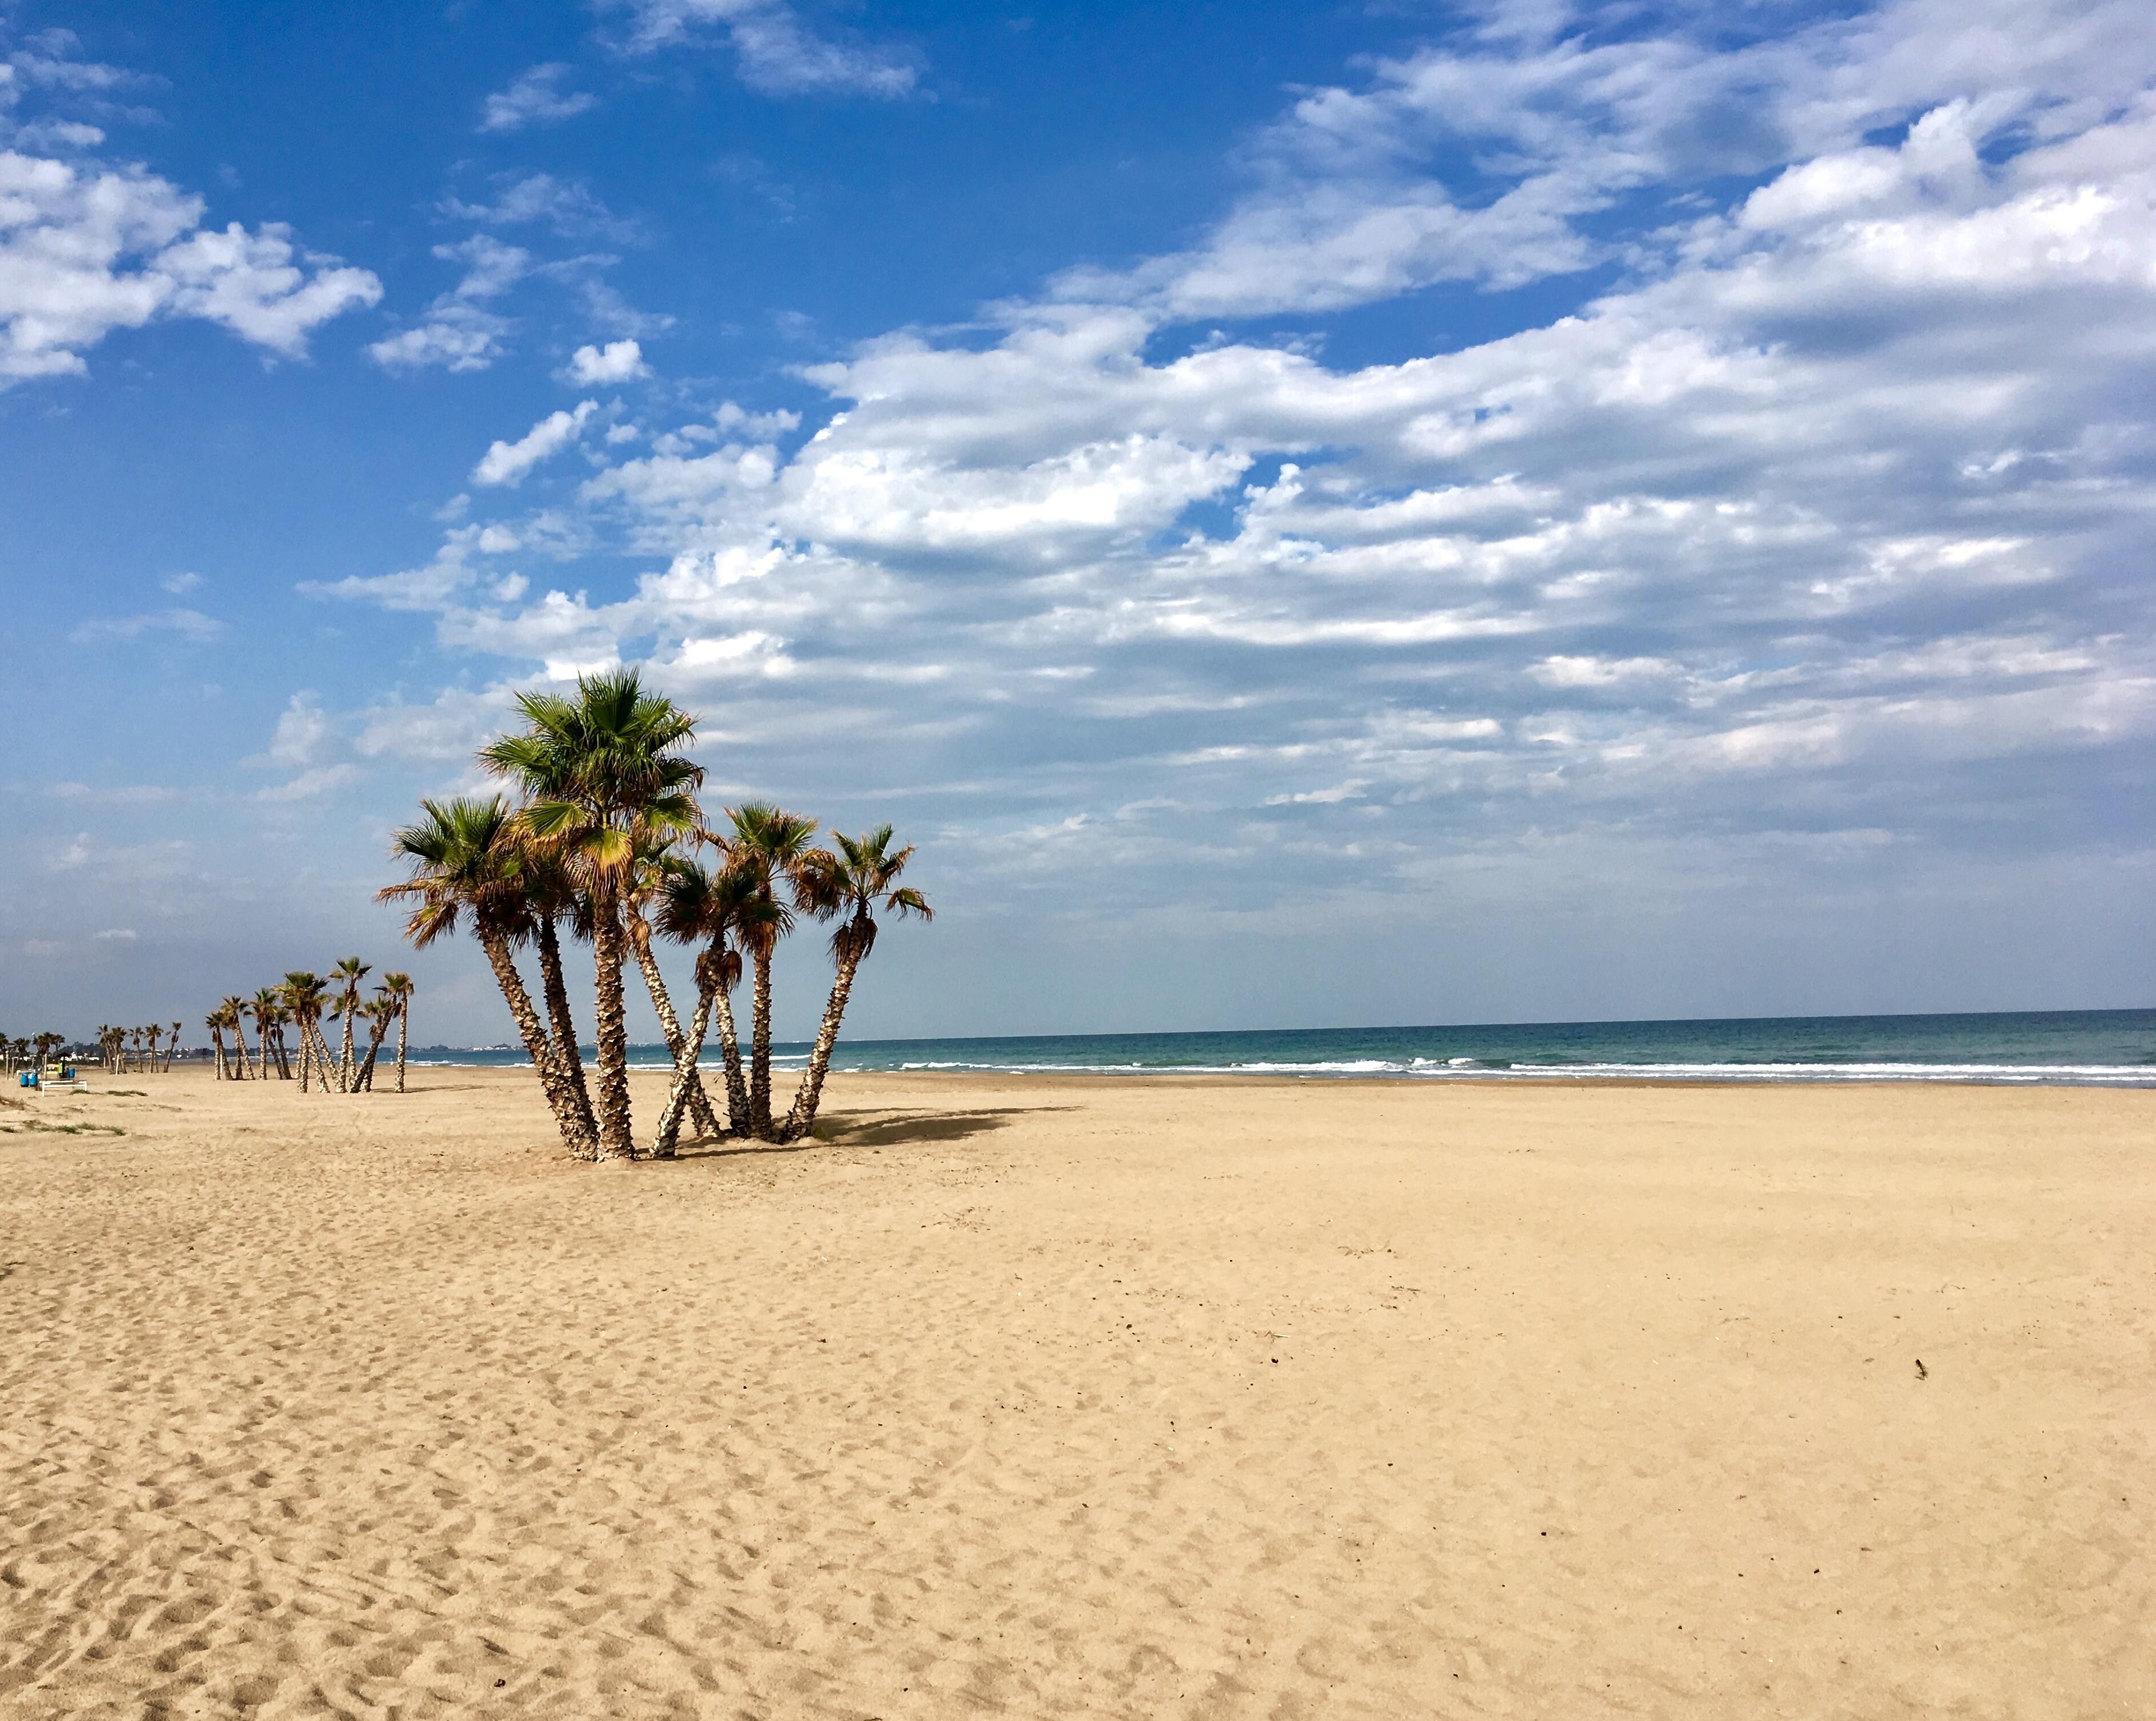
[1082, 1396]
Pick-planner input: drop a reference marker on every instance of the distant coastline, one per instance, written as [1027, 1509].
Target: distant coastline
[2111, 1048]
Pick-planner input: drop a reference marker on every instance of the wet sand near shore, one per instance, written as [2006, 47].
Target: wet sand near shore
[1097, 1397]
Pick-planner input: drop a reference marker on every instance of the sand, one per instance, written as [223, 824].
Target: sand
[1096, 1398]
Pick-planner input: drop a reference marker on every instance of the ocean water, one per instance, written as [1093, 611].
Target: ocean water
[2114, 1048]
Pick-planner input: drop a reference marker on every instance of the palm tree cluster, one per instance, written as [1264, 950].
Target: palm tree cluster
[298, 1003]
[603, 841]
[135, 1049]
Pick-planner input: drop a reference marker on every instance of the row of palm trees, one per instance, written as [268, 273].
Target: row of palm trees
[603, 841]
[126, 1049]
[300, 1002]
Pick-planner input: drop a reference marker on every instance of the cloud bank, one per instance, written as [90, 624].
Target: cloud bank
[1816, 540]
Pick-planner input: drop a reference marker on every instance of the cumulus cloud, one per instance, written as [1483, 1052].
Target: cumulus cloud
[774, 51]
[508, 462]
[617, 362]
[536, 99]
[460, 331]
[86, 248]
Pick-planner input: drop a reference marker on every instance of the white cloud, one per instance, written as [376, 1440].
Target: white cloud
[190, 624]
[459, 333]
[180, 584]
[535, 99]
[617, 362]
[249, 283]
[507, 462]
[86, 249]
[567, 205]
[774, 51]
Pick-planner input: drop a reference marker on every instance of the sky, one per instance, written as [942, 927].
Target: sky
[1304, 515]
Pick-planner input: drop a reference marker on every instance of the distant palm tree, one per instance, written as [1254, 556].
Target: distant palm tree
[601, 773]
[235, 1018]
[466, 865]
[847, 886]
[346, 975]
[214, 1021]
[173, 1050]
[269, 1020]
[304, 996]
[399, 988]
[767, 846]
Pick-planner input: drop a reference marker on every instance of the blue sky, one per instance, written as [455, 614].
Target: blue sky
[1305, 514]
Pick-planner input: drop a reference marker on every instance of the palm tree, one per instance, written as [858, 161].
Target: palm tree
[655, 862]
[305, 994]
[379, 1011]
[173, 1050]
[399, 988]
[235, 1018]
[466, 865]
[214, 1021]
[269, 1020]
[768, 848]
[552, 896]
[705, 908]
[347, 974]
[601, 773]
[847, 887]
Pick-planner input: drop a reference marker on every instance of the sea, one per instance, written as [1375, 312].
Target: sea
[2106, 1048]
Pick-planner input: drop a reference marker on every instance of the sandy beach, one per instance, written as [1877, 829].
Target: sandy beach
[1087, 1398]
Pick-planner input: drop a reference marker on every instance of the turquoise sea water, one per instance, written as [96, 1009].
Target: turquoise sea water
[2093, 1048]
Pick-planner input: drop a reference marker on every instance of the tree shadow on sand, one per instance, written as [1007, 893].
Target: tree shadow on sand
[884, 1128]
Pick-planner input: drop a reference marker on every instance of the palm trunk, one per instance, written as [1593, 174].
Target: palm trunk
[759, 1050]
[344, 1055]
[363, 1082]
[615, 1141]
[662, 1006]
[324, 1063]
[581, 1145]
[685, 1074]
[404, 1025]
[306, 1055]
[730, 1048]
[803, 1117]
[566, 1051]
[216, 1046]
[239, 1039]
